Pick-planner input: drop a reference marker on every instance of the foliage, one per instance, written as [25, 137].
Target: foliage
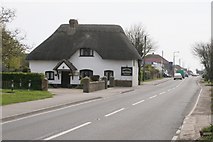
[208, 130]
[95, 78]
[150, 72]
[205, 53]
[13, 51]
[16, 96]
[23, 78]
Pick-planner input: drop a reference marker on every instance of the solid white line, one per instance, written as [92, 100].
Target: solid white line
[67, 131]
[196, 102]
[162, 93]
[174, 138]
[138, 102]
[47, 112]
[153, 97]
[114, 112]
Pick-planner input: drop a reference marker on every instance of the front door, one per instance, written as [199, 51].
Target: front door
[65, 79]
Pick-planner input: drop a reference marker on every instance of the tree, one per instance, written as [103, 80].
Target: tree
[205, 53]
[13, 51]
[136, 35]
[141, 41]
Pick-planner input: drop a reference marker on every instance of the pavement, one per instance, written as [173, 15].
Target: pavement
[200, 118]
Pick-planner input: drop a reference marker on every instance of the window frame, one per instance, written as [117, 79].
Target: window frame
[90, 73]
[50, 75]
[86, 52]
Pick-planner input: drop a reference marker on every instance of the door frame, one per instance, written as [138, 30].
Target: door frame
[65, 79]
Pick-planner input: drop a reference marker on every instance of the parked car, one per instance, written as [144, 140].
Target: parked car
[178, 76]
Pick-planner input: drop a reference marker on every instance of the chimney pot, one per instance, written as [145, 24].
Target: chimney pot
[73, 23]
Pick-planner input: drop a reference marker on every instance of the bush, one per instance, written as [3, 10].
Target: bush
[95, 78]
[23, 79]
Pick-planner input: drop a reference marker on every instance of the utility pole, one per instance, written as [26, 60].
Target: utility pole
[174, 62]
[144, 54]
[162, 63]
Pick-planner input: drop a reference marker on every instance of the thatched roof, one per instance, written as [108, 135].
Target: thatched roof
[109, 41]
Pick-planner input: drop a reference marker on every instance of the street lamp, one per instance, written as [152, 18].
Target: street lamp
[174, 61]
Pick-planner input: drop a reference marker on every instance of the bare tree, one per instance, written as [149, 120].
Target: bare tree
[136, 35]
[141, 41]
[205, 53]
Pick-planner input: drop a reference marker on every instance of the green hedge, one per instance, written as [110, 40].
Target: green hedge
[24, 78]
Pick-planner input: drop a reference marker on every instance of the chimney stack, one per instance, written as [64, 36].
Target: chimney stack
[73, 23]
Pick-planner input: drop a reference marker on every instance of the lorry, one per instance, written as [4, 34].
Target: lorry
[182, 72]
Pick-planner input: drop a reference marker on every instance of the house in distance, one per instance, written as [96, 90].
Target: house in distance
[75, 50]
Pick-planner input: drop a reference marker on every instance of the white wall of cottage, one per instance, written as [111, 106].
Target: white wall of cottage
[96, 64]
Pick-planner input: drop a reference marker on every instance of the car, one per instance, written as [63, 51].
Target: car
[178, 76]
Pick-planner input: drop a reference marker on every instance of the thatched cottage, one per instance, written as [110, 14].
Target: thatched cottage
[75, 50]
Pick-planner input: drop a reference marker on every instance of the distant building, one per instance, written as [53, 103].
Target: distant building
[159, 63]
[75, 50]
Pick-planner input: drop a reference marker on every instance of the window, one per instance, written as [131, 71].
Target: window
[108, 74]
[49, 75]
[84, 73]
[86, 52]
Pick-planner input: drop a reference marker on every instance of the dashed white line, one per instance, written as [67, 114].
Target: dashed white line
[138, 102]
[67, 131]
[178, 132]
[174, 138]
[162, 93]
[169, 90]
[114, 112]
[153, 97]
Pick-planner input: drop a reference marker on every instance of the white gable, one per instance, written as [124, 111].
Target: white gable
[63, 66]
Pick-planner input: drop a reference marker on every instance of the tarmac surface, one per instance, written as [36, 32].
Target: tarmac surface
[193, 123]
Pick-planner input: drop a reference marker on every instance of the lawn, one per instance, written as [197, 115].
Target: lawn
[8, 96]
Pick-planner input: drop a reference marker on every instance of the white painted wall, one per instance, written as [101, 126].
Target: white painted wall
[96, 63]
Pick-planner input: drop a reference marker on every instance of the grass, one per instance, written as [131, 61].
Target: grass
[9, 97]
[208, 130]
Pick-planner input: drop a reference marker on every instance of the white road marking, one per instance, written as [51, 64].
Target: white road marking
[162, 93]
[138, 102]
[114, 112]
[169, 90]
[47, 112]
[174, 138]
[196, 102]
[153, 97]
[67, 131]
[178, 132]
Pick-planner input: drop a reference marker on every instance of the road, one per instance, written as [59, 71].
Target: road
[150, 112]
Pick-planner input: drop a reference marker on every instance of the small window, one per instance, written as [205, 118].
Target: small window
[49, 75]
[86, 52]
[84, 73]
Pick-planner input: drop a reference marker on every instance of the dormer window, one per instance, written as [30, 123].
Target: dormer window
[86, 52]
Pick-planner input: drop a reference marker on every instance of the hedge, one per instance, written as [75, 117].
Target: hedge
[23, 78]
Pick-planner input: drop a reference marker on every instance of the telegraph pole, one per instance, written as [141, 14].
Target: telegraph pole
[144, 54]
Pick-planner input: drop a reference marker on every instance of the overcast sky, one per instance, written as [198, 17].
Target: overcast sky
[174, 25]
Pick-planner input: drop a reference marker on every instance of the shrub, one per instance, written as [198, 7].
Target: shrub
[23, 78]
[95, 78]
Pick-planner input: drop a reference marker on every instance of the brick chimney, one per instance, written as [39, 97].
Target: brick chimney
[73, 23]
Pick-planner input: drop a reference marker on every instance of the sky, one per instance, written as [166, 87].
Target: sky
[174, 25]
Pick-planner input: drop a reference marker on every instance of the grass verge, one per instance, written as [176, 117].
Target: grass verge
[207, 134]
[9, 97]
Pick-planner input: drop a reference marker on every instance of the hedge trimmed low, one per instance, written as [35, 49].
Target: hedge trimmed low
[21, 80]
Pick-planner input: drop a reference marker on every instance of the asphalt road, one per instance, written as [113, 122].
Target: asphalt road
[151, 112]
